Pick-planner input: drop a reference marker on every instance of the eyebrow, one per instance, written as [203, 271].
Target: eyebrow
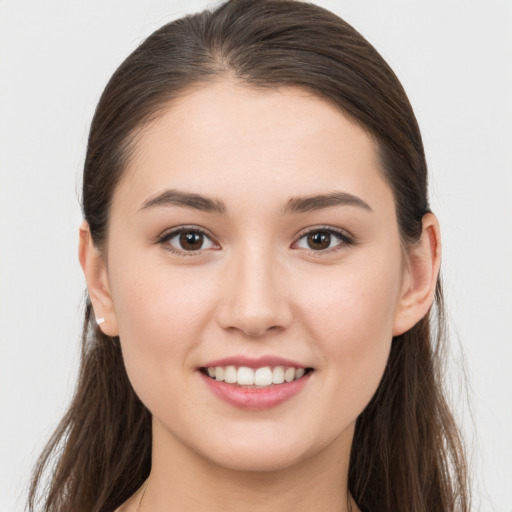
[304, 204]
[185, 199]
[322, 201]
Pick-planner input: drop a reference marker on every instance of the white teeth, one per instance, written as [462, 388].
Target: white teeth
[299, 372]
[245, 376]
[278, 375]
[289, 374]
[230, 375]
[261, 377]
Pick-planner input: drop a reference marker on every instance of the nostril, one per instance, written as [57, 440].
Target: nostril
[258, 332]
[254, 303]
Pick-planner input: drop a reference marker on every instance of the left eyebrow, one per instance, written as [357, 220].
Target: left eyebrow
[321, 201]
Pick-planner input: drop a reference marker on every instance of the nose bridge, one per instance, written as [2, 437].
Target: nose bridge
[255, 300]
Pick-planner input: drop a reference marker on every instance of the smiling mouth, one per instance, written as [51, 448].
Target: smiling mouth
[262, 377]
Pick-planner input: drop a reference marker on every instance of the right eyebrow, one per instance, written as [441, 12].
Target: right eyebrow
[173, 197]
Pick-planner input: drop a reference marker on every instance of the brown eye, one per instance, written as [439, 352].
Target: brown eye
[191, 240]
[319, 240]
[323, 240]
[187, 240]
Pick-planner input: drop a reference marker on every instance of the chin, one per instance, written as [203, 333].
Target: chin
[257, 460]
[264, 453]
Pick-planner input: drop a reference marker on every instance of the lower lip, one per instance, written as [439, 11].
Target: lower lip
[255, 398]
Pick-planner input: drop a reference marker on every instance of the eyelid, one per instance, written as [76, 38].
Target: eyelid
[347, 239]
[172, 232]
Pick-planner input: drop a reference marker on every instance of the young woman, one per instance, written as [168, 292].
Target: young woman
[265, 318]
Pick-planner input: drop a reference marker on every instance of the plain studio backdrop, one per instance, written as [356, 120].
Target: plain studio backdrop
[454, 58]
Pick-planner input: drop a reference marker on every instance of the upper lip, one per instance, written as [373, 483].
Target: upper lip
[253, 362]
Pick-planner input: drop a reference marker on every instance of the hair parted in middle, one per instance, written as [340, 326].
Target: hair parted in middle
[406, 453]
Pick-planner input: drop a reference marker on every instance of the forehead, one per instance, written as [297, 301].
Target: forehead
[225, 137]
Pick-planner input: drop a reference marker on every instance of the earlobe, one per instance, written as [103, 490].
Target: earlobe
[96, 276]
[420, 281]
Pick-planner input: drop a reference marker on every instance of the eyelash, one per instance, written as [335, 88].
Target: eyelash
[345, 239]
[166, 237]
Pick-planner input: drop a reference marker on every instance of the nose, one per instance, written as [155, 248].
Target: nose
[255, 298]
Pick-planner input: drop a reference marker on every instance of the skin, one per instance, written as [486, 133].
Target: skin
[255, 288]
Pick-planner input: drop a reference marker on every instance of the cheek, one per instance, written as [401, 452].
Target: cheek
[351, 323]
[161, 313]
[353, 303]
[158, 299]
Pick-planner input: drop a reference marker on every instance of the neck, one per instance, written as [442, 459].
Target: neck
[190, 482]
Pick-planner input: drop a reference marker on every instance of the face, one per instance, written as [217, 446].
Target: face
[254, 230]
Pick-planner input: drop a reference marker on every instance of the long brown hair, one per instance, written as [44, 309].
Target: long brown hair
[406, 453]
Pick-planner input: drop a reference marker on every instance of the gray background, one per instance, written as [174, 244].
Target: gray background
[454, 59]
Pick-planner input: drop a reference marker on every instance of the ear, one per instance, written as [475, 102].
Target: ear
[420, 277]
[95, 271]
